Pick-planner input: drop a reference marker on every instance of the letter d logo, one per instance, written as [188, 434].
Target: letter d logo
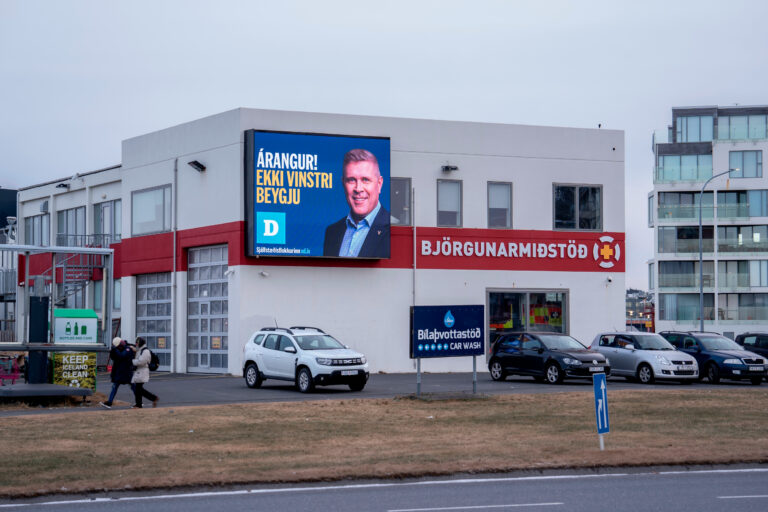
[270, 227]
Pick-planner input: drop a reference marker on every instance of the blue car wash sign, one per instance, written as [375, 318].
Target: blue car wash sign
[601, 403]
[447, 331]
[317, 195]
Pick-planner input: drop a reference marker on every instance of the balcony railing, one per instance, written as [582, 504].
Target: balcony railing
[674, 175]
[743, 246]
[686, 314]
[743, 313]
[7, 281]
[688, 246]
[97, 240]
[734, 280]
[685, 212]
[732, 211]
[685, 280]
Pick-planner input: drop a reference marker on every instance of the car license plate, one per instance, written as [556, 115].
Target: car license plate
[349, 372]
[684, 367]
[595, 368]
[755, 368]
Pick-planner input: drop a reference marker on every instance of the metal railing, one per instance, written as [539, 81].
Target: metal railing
[689, 280]
[688, 246]
[7, 281]
[95, 240]
[673, 175]
[684, 212]
[743, 246]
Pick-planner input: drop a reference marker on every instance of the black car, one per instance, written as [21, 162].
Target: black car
[546, 356]
[756, 342]
[718, 357]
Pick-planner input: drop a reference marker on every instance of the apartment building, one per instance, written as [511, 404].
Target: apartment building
[710, 163]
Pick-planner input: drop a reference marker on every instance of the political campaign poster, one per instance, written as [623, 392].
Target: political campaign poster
[314, 195]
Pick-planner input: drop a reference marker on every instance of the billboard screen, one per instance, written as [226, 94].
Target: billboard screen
[317, 195]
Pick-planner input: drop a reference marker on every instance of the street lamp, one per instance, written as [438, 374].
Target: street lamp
[701, 246]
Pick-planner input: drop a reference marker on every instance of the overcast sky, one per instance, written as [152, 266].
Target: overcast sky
[78, 77]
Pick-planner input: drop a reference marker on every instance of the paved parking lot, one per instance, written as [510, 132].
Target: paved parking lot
[188, 389]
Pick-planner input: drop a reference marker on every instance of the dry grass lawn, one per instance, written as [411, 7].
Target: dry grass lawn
[325, 440]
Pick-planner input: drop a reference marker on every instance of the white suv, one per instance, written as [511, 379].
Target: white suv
[304, 355]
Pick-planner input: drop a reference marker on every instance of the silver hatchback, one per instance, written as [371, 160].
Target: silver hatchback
[645, 356]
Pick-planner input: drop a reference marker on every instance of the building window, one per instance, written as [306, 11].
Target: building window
[449, 203]
[685, 274]
[107, 222]
[684, 167]
[742, 238]
[527, 311]
[747, 164]
[116, 295]
[685, 239]
[735, 274]
[694, 129]
[70, 227]
[685, 306]
[741, 127]
[37, 230]
[578, 207]
[650, 211]
[499, 205]
[151, 210]
[153, 314]
[400, 201]
[685, 205]
[651, 280]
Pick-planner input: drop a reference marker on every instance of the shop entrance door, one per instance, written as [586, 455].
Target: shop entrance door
[207, 310]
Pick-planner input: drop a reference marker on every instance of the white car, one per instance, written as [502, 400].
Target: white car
[306, 356]
[645, 356]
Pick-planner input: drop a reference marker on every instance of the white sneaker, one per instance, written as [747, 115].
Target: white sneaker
[106, 406]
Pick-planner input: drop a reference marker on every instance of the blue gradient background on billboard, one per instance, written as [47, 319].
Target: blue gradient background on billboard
[305, 223]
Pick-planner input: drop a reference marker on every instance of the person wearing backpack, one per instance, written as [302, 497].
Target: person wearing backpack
[141, 374]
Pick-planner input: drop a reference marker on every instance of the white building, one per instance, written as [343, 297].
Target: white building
[527, 221]
[703, 142]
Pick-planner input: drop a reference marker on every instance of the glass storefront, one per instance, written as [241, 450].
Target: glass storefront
[526, 311]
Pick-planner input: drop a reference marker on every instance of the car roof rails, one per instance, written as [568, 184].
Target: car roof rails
[307, 328]
[277, 329]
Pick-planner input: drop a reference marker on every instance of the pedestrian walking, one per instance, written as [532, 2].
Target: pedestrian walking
[141, 374]
[122, 368]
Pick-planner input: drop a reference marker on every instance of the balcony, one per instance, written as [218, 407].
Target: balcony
[685, 212]
[676, 175]
[731, 245]
[743, 313]
[689, 246]
[733, 280]
[733, 211]
[97, 240]
[689, 280]
[687, 314]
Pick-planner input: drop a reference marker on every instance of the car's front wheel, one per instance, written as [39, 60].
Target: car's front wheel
[645, 374]
[497, 373]
[713, 373]
[357, 385]
[304, 380]
[554, 374]
[252, 376]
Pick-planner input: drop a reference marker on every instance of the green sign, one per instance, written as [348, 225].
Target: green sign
[75, 326]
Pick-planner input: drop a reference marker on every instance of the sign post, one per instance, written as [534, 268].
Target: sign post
[447, 331]
[601, 406]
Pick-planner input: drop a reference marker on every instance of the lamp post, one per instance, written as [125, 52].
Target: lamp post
[701, 247]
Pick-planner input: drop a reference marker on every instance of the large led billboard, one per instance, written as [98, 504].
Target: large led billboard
[317, 195]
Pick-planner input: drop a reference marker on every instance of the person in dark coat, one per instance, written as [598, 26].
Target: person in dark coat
[122, 368]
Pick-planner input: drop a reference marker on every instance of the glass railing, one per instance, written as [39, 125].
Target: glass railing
[689, 246]
[745, 246]
[734, 280]
[743, 313]
[687, 314]
[673, 175]
[685, 212]
[685, 280]
[730, 211]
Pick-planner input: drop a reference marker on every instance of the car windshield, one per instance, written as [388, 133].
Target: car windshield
[652, 342]
[318, 342]
[719, 343]
[554, 342]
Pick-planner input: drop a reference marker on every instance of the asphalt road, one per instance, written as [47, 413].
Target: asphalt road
[711, 489]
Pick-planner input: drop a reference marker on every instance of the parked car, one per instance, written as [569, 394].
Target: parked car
[756, 342]
[718, 356]
[544, 356]
[306, 356]
[645, 356]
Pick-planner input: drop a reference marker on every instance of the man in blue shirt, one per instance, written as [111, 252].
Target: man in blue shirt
[364, 232]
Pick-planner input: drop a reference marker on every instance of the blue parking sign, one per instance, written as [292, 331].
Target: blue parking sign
[601, 403]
